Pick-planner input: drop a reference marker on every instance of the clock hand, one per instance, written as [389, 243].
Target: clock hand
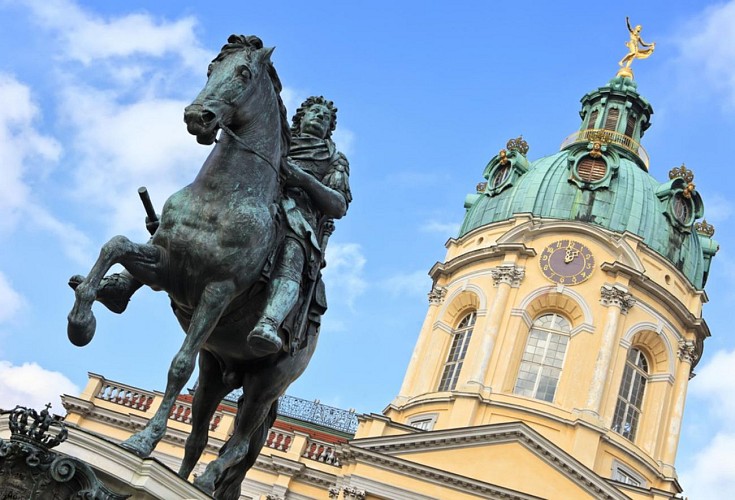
[570, 254]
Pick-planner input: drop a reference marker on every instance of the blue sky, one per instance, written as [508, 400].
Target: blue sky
[91, 100]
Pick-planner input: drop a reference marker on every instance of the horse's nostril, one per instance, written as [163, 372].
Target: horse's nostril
[208, 116]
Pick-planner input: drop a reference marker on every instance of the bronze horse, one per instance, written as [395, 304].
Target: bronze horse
[215, 237]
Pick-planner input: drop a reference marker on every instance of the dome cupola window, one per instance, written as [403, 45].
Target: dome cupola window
[593, 119]
[611, 121]
[590, 169]
[682, 209]
[506, 168]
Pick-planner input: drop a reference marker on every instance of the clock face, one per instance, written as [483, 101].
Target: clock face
[567, 262]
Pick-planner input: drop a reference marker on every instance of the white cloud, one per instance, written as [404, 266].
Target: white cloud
[708, 48]
[23, 149]
[715, 383]
[449, 229]
[33, 386]
[125, 146]
[87, 38]
[416, 283]
[713, 469]
[10, 301]
[344, 274]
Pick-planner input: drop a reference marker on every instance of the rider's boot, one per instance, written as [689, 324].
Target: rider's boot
[114, 292]
[264, 339]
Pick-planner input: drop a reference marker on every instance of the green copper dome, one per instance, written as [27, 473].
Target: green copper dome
[600, 176]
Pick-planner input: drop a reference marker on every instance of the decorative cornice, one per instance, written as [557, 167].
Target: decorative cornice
[380, 451]
[351, 492]
[437, 294]
[495, 251]
[508, 274]
[333, 492]
[618, 296]
[688, 351]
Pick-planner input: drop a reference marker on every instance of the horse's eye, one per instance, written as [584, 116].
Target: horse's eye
[244, 72]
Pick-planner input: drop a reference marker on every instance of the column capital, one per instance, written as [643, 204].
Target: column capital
[687, 351]
[509, 274]
[437, 294]
[618, 296]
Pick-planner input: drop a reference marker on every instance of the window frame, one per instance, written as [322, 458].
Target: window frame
[635, 378]
[460, 340]
[547, 364]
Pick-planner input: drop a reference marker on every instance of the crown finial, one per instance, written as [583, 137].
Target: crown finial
[705, 228]
[518, 144]
[637, 49]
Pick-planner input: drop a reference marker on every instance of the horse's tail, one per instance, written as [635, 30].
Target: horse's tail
[228, 488]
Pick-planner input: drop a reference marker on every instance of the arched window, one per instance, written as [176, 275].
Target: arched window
[630, 398]
[460, 340]
[543, 358]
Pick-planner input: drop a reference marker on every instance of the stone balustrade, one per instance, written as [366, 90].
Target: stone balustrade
[279, 440]
[181, 412]
[126, 396]
[321, 452]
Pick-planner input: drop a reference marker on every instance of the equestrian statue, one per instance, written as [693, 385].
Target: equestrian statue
[239, 251]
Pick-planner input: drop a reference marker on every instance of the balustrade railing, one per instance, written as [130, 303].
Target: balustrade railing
[321, 452]
[181, 412]
[608, 136]
[125, 396]
[279, 440]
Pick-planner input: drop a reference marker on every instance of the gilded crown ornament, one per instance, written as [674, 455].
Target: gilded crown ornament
[681, 172]
[687, 176]
[518, 144]
[637, 49]
[705, 228]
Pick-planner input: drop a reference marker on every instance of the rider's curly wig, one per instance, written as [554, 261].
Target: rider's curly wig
[311, 101]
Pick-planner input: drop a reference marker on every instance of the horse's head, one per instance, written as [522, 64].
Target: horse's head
[240, 72]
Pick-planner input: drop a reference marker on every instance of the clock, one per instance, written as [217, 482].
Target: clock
[567, 262]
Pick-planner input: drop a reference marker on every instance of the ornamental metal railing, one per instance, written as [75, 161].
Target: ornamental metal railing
[607, 137]
[312, 411]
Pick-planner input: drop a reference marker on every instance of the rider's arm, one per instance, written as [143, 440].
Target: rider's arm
[329, 201]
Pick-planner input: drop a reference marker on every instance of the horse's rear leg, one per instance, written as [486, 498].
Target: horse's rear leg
[228, 488]
[259, 396]
[212, 303]
[209, 393]
[145, 259]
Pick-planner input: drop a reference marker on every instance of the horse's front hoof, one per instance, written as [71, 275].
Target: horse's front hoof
[80, 332]
[138, 445]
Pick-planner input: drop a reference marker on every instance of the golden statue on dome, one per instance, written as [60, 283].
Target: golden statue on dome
[637, 49]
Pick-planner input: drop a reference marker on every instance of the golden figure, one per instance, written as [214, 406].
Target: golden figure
[638, 49]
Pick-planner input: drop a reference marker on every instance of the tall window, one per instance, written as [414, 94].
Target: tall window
[630, 398]
[543, 357]
[460, 340]
[611, 122]
[593, 119]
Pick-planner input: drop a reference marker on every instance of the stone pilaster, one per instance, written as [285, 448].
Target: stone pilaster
[618, 301]
[505, 277]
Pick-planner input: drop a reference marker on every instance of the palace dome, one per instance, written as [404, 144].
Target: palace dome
[600, 176]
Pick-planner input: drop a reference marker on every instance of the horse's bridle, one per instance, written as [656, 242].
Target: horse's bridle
[246, 147]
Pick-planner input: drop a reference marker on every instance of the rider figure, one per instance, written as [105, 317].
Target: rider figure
[317, 189]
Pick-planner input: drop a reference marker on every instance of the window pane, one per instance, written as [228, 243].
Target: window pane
[630, 397]
[457, 351]
[543, 357]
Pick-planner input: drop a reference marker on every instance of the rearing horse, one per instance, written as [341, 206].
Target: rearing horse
[208, 253]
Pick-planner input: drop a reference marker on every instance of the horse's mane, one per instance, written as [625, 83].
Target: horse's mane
[252, 43]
